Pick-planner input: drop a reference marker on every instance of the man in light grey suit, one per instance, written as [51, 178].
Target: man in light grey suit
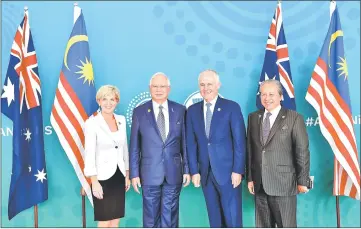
[278, 159]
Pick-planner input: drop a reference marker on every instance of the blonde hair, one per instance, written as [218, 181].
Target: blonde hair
[108, 90]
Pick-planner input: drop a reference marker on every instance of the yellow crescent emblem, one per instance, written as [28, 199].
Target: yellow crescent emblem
[338, 33]
[71, 42]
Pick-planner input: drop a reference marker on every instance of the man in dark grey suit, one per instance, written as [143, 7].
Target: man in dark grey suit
[278, 159]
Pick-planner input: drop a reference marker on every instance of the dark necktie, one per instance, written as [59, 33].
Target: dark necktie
[266, 127]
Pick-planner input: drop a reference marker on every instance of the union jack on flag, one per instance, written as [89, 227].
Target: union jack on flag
[328, 93]
[21, 102]
[75, 100]
[276, 62]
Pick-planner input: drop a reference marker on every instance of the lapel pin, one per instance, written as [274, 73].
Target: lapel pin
[219, 109]
[148, 110]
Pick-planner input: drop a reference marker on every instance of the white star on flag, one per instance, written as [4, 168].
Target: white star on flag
[27, 134]
[8, 92]
[265, 78]
[40, 176]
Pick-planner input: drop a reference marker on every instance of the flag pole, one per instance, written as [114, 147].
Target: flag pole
[36, 225]
[338, 211]
[83, 213]
[36, 222]
[82, 192]
[338, 217]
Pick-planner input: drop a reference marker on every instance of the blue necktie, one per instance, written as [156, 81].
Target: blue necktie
[161, 123]
[208, 118]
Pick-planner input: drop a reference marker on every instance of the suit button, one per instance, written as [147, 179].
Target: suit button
[116, 147]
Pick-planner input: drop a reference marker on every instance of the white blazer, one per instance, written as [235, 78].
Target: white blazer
[105, 150]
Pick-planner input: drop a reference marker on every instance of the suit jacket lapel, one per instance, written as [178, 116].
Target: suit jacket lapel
[216, 115]
[280, 117]
[103, 124]
[151, 118]
[259, 129]
[201, 104]
[172, 120]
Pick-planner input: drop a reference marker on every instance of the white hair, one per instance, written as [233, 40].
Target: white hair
[215, 74]
[159, 73]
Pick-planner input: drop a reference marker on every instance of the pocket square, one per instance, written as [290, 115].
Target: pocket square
[285, 127]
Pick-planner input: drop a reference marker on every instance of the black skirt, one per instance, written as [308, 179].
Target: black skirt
[113, 203]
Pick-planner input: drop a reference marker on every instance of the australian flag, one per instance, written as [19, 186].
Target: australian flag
[276, 62]
[21, 102]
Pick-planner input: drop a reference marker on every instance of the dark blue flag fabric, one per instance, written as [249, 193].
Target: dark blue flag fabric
[276, 63]
[21, 102]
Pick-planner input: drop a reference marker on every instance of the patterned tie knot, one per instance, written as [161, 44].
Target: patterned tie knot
[208, 105]
[161, 107]
[268, 114]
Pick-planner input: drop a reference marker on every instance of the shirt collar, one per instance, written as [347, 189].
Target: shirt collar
[275, 111]
[156, 105]
[213, 102]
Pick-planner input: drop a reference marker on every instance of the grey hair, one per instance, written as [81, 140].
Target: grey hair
[275, 82]
[159, 73]
[212, 71]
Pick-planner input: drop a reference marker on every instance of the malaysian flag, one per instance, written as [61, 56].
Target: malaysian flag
[276, 62]
[75, 98]
[328, 93]
[21, 102]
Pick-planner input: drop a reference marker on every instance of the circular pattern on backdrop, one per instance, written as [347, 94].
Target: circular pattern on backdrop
[240, 21]
[190, 27]
[169, 28]
[139, 99]
[180, 39]
[192, 50]
[180, 14]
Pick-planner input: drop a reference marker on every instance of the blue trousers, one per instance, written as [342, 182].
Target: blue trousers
[161, 205]
[224, 203]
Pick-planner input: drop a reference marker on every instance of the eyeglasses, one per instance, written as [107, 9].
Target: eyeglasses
[159, 86]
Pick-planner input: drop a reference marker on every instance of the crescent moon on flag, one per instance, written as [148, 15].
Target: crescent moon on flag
[338, 33]
[71, 42]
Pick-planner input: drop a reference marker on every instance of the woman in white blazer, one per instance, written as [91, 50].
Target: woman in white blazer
[106, 158]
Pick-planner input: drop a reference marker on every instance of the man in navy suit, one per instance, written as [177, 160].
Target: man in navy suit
[157, 155]
[216, 146]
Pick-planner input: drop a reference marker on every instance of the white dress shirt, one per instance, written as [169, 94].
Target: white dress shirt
[213, 103]
[165, 112]
[273, 117]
